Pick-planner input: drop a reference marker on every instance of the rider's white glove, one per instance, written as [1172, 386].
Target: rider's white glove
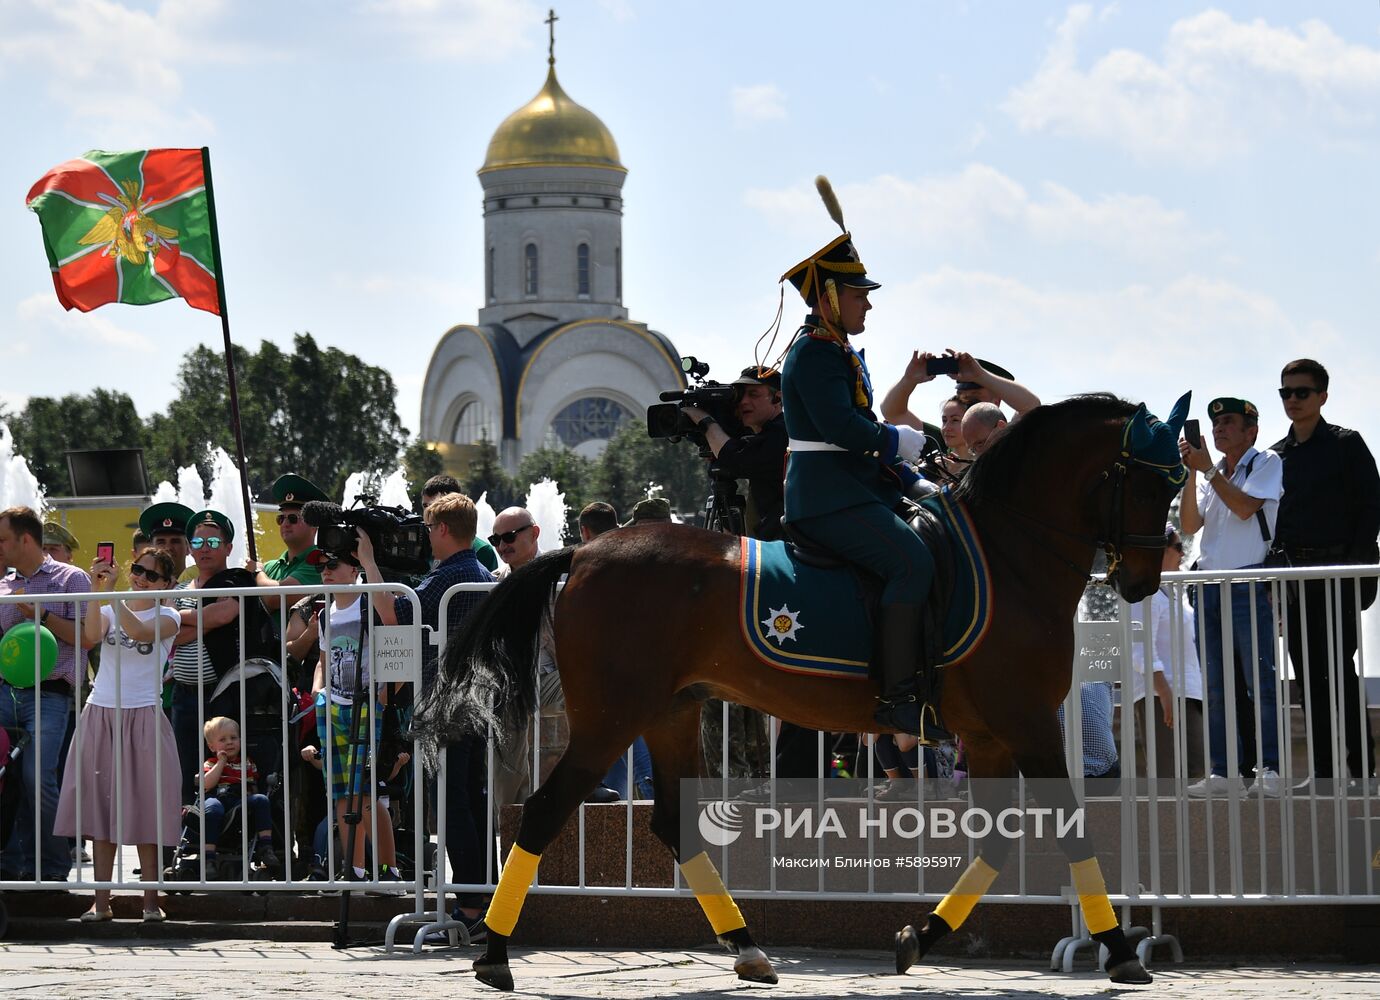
[910, 444]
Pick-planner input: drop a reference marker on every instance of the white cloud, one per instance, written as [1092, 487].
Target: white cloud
[113, 67]
[1217, 88]
[487, 30]
[980, 203]
[42, 319]
[760, 102]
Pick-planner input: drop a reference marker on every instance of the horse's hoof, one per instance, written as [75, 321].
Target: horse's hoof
[754, 966]
[495, 974]
[907, 949]
[1129, 971]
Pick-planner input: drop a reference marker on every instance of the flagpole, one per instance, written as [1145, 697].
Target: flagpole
[229, 356]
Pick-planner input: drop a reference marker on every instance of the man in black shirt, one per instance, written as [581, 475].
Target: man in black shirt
[1329, 515]
[758, 456]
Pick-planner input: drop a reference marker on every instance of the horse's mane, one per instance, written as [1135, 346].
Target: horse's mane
[997, 473]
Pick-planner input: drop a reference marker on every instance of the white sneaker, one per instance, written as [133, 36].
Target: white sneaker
[1213, 784]
[1266, 783]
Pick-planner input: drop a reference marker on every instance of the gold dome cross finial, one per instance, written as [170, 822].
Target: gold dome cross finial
[551, 20]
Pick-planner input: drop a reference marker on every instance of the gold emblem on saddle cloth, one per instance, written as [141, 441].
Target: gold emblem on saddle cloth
[782, 624]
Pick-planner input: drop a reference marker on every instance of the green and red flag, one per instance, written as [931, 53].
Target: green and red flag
[133, 227]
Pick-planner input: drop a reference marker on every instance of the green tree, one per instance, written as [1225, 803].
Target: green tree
[322, 413]
[487, 475]
[48, 428]
[632, 462]
[420, 462]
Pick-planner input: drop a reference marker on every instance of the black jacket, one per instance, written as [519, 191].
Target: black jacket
[761, 460]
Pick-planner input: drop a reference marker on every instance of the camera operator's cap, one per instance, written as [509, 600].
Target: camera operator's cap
[56, 534]
[995, 369]
[1230, 404]
[292, 490]
[164, 518]
[651, 509]
[837, 259]
[214, 517]
[759, 375]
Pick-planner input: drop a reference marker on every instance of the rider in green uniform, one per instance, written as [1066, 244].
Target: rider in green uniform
[846, 475]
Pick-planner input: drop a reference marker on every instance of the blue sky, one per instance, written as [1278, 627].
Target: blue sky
[1144, 198]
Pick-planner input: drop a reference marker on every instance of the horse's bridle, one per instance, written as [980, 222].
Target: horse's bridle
[1113, 537]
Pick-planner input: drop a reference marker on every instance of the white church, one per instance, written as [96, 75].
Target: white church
[554, 358]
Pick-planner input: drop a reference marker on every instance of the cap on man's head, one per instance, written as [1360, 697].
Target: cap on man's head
[989, 366]
[759, 375]
[214, 518]
[837, 260]
[164, 518]
[651, 509]
[1230, 404]
[292, 490]
[56, 534]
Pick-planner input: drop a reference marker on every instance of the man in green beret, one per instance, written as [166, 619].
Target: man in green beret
[298, 565]
[165, 525]
[58, 542]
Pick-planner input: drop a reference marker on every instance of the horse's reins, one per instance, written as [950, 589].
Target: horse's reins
[1111, 545]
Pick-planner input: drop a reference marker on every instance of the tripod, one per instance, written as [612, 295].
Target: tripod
[724, 507]
[356, 762]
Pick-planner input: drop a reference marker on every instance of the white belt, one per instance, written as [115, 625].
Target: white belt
[813, 446]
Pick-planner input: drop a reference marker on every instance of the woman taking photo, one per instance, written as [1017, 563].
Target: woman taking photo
[122, 721]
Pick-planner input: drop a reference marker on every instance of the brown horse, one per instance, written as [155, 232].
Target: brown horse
[645, 630]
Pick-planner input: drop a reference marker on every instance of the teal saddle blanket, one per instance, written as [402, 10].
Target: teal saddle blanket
[804, 619]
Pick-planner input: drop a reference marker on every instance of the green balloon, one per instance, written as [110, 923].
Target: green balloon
[17, 654]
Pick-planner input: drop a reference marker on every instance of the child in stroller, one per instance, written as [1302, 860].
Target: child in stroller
[228, 779]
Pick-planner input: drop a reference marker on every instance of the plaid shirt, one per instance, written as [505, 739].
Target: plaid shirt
[51, 577]
[462, 567]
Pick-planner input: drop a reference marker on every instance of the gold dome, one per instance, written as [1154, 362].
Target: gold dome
[552, 129]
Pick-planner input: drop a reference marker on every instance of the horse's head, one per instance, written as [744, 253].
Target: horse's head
[1143, 480]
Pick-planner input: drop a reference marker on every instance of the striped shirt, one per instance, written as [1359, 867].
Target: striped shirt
[192, 661]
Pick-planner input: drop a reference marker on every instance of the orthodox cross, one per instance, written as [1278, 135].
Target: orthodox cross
[551, 20]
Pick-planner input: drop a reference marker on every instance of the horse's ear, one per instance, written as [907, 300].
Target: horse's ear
[1179, 414]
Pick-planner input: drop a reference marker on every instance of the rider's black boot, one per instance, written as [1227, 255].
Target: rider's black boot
[904, 705]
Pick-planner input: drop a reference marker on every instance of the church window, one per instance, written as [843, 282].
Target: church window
[582, 269]
[473, 425]
[618, 275]
[529, 269]
[489, 274]
[594, 418]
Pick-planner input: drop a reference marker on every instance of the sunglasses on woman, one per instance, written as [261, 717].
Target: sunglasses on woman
[333, 563]
[211, 542]
[1297, 391]
[140, 573]
[508, 537]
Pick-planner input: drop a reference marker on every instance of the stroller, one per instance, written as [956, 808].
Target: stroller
[12, 744]
[229, 860]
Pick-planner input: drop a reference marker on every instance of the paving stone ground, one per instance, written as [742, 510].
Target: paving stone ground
[235, 969]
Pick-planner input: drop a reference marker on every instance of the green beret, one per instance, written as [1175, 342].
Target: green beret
[291, 490]
[212, 517]
[165, 517]
[1230, 404]
[56, 534]
[653, 509]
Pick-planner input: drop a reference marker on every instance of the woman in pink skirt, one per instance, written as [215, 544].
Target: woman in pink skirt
[123, 722]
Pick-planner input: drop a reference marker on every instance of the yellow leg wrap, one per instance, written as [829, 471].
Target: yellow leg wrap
[703, 879]
[1092, 896]
[970, 887]
[518, 872]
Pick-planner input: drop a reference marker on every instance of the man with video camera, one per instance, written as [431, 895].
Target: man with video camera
[759, 456]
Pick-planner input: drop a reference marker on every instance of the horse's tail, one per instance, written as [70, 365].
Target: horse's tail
[488, 677]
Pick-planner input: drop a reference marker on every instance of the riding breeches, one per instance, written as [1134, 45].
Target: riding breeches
[875, 539]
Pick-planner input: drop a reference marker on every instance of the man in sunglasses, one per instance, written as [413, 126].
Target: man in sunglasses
[298, 565]
[515, 537]
[1330, 515]
[165, 525]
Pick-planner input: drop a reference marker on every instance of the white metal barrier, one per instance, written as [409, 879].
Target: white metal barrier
[1233, 848]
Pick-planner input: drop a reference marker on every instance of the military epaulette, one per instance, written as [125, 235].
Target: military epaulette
[820, 333]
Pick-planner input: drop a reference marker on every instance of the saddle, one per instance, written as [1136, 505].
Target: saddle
[925, 522]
